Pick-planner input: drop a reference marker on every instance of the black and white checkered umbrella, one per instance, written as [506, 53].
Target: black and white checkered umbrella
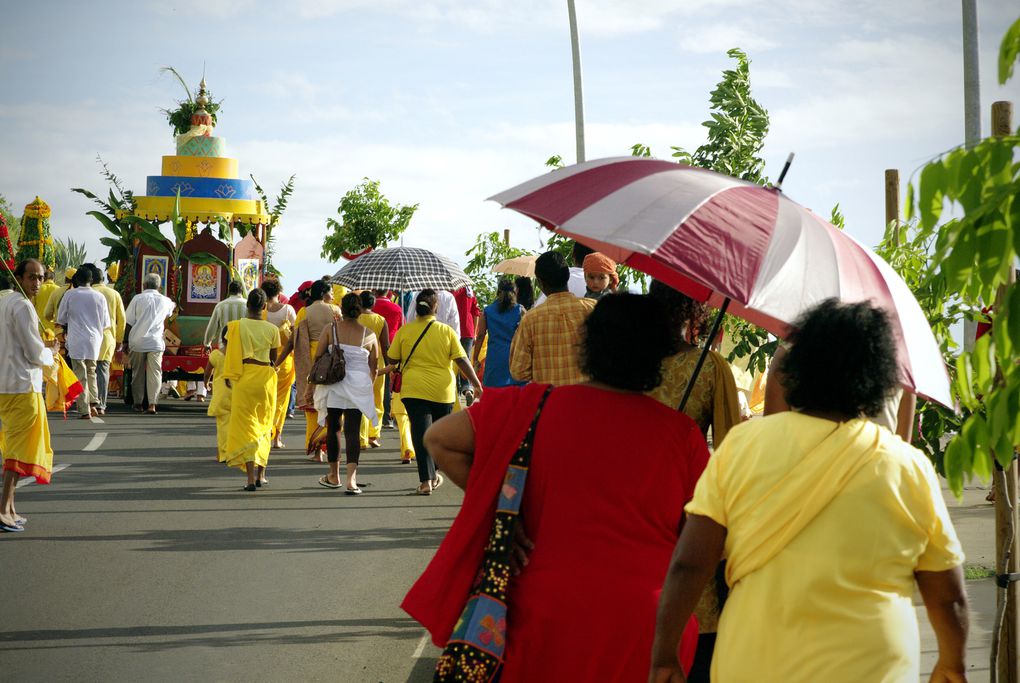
[403, 269]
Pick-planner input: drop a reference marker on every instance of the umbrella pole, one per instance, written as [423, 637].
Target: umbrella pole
[704, 353]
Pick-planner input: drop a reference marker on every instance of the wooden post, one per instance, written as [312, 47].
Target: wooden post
[506, 236]
[1007, 523]
[892, 201]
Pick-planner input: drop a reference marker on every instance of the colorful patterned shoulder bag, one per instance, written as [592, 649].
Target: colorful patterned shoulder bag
[474, 653]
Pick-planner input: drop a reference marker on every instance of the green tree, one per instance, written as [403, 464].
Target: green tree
[973, 256]
[489, 249]
[367, 220]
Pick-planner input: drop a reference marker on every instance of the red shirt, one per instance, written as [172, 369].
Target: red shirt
[468, 310]
[391, 313]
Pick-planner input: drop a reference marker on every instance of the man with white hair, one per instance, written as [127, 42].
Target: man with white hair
[145, 317]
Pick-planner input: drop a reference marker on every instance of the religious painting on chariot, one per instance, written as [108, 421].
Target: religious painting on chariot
[203, 283]
[248, 268]
[158, 265]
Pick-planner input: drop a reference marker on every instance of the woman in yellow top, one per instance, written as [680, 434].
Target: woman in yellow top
[249, 368]
[827, 521]
[429, 388]
[219, 406]
[284, 317]
[310, 322]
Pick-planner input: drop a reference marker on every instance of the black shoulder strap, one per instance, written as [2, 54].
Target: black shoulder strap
[408, 359]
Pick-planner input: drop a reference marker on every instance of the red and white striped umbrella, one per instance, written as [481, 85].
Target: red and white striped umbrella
[715, 238]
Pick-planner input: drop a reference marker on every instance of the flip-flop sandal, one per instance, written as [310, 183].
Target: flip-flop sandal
[323, 481]
[353, 492]
[438, 482]
[422, 492]
[10, 528]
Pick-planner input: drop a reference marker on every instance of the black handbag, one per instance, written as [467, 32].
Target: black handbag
[330, 367]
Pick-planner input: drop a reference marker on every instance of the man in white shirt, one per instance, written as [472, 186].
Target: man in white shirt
[576, 284]
[146, 316]
[27, 450]
[85, 316]
[446, 312]
[234, 307]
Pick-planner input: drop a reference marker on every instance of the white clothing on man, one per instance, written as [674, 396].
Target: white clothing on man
[446, 311]
[24, 354]
[85, 317]
[147, 314]
[232, 308]
[575, 285]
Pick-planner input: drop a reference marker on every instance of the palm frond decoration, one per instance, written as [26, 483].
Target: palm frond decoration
[180, 79]
[275, 211]
[69, 254]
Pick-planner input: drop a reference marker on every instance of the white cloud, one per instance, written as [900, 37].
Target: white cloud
[721, 37]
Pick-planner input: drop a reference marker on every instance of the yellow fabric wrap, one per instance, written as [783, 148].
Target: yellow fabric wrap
[726, 403]
[59, 378]
[285, 376]
[252, 408]
[219, 405]
[25, 436]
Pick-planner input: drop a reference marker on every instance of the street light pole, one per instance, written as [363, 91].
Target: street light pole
[971, 111]
[575, 47]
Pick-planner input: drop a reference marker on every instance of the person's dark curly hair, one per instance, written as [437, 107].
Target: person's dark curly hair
[351, 306]
[272, 288]
[842, 360]
[608, 352]
[367, 300]
[681, 310]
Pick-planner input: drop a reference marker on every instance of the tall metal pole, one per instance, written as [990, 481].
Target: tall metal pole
[575, 47]
[1006, 652]
[971, 111]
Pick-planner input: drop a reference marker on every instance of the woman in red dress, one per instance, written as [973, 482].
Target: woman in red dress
[594, 546]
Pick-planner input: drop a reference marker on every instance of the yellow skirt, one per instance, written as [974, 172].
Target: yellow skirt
[25, 436]
[219, 407]
[252, 409]
[285, 376]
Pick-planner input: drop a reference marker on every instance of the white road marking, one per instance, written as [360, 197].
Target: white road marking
[97, 440]
[421, 646]
[25, 481]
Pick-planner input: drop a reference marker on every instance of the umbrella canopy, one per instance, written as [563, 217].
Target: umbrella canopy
[717, 238]
[519, 265]
[403, 269]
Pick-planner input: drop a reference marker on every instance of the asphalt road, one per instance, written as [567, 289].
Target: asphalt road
[144, 560]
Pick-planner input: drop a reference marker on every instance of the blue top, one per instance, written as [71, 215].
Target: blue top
[500, 328]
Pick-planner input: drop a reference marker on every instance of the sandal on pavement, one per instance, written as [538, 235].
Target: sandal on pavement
[324, 481]
[354, 491]
[13, 528]
[249, 487]
[438, 481]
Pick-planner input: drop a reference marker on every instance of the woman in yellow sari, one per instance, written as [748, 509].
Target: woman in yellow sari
[219, 406]
[284, 317]
[249, 368]
[827, 522]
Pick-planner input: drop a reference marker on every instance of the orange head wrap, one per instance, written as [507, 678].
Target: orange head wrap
[600, 263]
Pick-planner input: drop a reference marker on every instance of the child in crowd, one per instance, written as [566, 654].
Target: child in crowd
[219, 406]
[600, 276]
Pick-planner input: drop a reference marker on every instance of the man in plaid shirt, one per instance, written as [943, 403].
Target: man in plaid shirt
[546, 345]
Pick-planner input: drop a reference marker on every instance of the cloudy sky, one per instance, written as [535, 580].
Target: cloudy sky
[449, 101]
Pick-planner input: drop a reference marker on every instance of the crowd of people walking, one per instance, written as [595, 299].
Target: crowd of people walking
[620, 548]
